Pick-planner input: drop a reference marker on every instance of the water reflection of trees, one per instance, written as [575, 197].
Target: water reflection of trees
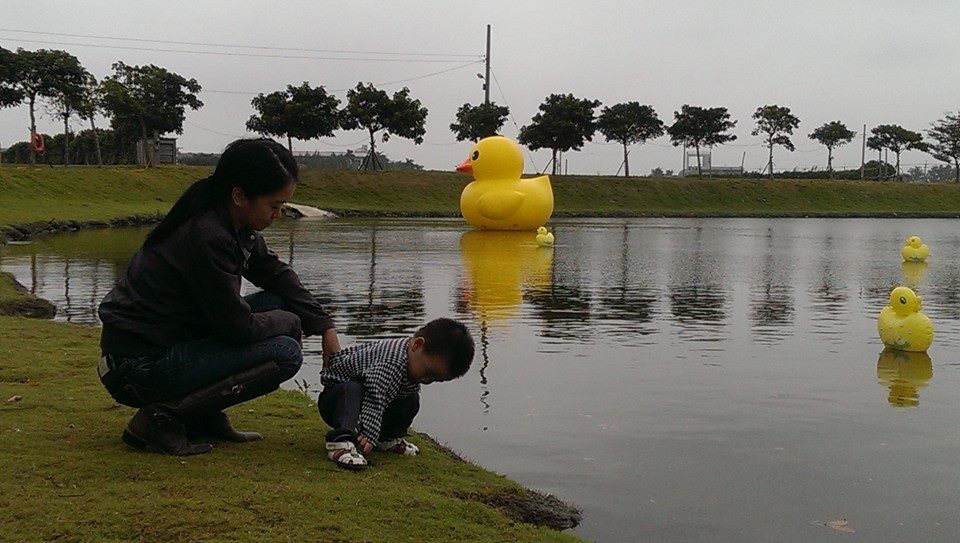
[945, 296]
[628, 302]
[698, 304]
[696, 294]
[562, 309]
[771, 297]
[72, 271]
[388, 307]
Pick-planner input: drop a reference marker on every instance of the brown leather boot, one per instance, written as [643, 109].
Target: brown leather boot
[154, 428]
[217, 426]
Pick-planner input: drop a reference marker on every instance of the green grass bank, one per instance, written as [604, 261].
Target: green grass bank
[36, 199]
[67, 477]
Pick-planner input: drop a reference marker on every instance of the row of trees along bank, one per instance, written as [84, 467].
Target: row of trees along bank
[145, 101]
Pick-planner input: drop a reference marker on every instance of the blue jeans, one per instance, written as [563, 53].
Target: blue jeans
[340, 406]
[188, 366]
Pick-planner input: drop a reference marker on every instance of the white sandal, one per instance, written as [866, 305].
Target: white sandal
[399, 446]
[346, 455]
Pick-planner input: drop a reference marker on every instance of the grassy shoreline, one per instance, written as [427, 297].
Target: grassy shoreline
[67, 476]
[35, 200]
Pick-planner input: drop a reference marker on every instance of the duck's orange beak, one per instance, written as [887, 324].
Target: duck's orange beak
[466, 166]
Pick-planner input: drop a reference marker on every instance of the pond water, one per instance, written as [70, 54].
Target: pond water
[677, 379]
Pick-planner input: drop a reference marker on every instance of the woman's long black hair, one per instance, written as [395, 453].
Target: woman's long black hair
[257, 166]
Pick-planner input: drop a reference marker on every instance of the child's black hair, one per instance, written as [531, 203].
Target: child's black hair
[451, 340]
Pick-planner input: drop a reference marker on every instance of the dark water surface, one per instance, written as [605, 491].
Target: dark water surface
[677, 379]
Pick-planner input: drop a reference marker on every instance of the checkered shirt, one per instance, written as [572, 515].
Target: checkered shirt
[382, 368]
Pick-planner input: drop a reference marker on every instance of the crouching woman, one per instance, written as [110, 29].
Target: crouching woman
[179, 342]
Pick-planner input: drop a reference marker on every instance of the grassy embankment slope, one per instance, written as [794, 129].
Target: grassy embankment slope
[38, 195]
[67, 477]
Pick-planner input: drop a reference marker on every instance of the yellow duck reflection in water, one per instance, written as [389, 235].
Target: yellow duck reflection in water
[904, 373]
[499, 265]
[913, 273]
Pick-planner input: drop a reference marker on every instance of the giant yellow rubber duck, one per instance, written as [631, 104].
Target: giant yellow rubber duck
[498, 199]
[915, 250]
[499, 267]
[901, 324]
[904, 374]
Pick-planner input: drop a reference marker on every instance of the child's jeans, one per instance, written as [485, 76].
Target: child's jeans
[339, 406]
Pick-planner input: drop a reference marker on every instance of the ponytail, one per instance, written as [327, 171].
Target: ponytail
[198, 197]
[256, 166]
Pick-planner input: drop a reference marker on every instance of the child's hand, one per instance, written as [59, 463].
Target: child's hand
[364, 444]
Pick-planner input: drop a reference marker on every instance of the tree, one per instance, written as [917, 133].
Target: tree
[9, 94]
[698, 127]
[946, 134]
[150, 98]
[302, 112]
[477, 122]
[87, 108]
[564, 123]
[832, 135]
[370, 108]
[897, 139]
[68, 98]
[629, 123]
[777, 124]
[38, 74]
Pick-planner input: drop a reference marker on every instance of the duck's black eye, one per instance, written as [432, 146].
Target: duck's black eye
[476, 155]
[903, 300]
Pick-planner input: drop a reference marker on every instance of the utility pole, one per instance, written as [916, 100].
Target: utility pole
[863, 153]
[486, 79]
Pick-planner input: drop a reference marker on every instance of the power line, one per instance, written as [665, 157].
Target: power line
[415, 78]
[229, 54]
[239, 46]
[512, 119]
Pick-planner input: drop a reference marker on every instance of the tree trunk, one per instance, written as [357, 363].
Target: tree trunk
[880, 164]
[373, 151]
[66, 137]
[96, 142]
[147, 154]
[33, 128]
[899, 177]
[958, 171]
[626, 162]
[289, 144]
[830, 162]
[699, 168]
[770, 163]
[553, 161]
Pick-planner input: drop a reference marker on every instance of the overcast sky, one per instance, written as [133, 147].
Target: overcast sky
[873, 62]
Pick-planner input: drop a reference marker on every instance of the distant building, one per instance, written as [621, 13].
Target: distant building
[349, 159]
[706, 165]
[164, 152]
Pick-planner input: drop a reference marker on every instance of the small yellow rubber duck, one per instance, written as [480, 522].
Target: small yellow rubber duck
[915, 250]
[901, 324]
[544, 238]
[498, 199]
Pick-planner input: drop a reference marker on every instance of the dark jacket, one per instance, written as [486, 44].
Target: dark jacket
[188, 287]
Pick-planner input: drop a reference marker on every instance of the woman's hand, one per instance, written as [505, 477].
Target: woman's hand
[331, 345]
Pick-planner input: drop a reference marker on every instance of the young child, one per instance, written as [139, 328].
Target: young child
[371, 391]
